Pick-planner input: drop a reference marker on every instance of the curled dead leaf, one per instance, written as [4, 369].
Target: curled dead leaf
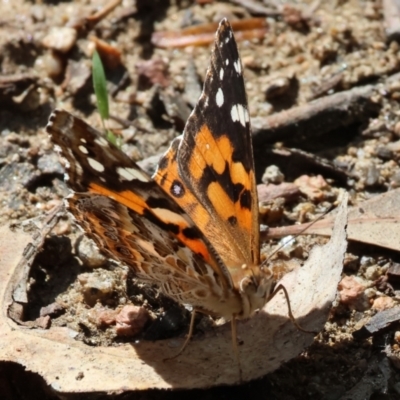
[375, 221]
[268, 339]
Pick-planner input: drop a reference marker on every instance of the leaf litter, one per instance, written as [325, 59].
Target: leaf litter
[266, 338]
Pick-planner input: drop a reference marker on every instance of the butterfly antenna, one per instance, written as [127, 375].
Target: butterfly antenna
[291, 316]
[282, 288]
[279, 248]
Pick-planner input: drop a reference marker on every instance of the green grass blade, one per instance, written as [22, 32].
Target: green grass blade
[116, 141]
[100, 86]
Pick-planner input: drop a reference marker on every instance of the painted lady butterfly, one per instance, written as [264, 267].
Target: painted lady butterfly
[193, 228]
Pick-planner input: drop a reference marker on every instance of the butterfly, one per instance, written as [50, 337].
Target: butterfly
[192, 228]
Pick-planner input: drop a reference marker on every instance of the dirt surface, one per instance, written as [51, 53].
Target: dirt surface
[307, 52]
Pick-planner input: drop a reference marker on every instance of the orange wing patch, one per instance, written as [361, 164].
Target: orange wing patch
[137, 204]
[226, 223]
[209, 170]
[216, 154]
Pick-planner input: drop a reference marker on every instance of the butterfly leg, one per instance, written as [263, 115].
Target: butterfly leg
[235, 345]
[291, 316]
[188, 337]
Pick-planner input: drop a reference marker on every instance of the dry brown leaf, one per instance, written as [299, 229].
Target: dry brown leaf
[269, 338]
[375, 221]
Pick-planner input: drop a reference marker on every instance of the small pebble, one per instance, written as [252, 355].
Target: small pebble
[351, 262]
[102, 316]
[48, 163]
[396, 129]
[366, 261]
[367, 171]
[383, 303]
[97, 286]
[131, 320]
[277, 87]
[395, 180]
[61, 39]
[43, 322]
[393, 272]
[370, 293]
[351, 292]
[384, 152]
[51, 63]
[78, 73]
[88, 252]
[372, 273]
[37, 12]
[271, 212]
[51, 309]
[272, 174]
[312, 186]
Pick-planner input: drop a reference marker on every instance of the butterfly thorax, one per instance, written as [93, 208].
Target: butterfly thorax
[254, 285]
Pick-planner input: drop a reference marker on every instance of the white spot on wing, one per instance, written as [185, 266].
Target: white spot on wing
[242, 117]
[227, 61]
[246, 115]
[238, 66]
[221, 74]
[95, 165]
[238, 113]
[219, 98]
[83, 149]
[234, 114]
[177, 190]
[169, 216]
[101, 142]
[130, 174]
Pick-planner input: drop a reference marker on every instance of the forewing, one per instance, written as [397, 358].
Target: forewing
[103, 175]
[209, 170]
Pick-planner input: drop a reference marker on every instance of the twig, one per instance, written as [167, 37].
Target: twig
[101, 14]
[317, 117]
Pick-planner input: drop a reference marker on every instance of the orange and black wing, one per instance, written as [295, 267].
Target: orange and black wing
[130, 217]
[209, 170]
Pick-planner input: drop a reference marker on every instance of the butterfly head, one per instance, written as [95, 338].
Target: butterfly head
[255, 287]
